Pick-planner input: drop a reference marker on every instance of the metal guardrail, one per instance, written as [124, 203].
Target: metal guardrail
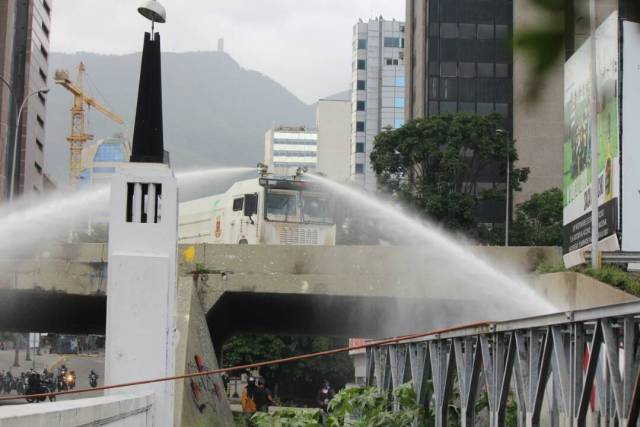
[616, 257]
[584, 364]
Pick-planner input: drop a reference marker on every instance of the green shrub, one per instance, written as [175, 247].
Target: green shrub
[354, 407]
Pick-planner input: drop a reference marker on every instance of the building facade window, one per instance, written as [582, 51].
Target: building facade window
[392, 42]
[362, 43]
[485, 32]
[359, 168]
[359, 147]
[398, 102]
[399, 81]
[502, 70]
[448, 69]
[448, 31]
[360, 106]
[362, 64]
[359, 126]
[361, 85]
[485, 69]
[398, 123]
[110, 153]
[39, 120]
[39, 144]
[104, 170]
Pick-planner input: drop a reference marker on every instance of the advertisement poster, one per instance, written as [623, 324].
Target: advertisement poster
[577, 136]
[631, 136]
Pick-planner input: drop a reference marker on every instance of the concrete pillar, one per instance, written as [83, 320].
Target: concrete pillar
[141, 292]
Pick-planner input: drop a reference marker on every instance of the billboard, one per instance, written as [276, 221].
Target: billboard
[630, 136]
[577, 137]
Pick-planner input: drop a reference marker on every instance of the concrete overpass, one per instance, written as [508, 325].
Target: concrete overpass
[341, 290]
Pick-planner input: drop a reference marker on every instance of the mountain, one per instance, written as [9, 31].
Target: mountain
[215, 112]
[340, 96]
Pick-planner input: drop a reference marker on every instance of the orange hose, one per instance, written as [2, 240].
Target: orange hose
[383, 342]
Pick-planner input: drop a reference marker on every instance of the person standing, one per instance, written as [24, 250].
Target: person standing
[247, 400]
[325, 394]
[263, 397]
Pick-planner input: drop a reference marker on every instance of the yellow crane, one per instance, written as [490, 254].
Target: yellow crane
[78, 136]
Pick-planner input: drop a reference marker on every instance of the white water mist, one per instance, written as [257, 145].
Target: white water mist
[31, 221]
[440, 268]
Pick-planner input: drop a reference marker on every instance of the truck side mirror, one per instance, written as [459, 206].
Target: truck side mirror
[250, 204]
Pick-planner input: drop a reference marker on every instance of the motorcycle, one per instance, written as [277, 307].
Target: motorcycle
[8, 384]
[70, 380]
[93, 380]
[20, 384]
[50, 385]
[61, 383]
[35, 386]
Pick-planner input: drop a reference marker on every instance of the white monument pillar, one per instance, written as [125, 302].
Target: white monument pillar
[141, 291]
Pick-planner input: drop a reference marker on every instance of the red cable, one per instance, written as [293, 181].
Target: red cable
[380, 343]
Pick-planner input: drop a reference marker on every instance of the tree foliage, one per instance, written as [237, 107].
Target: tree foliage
[543, 42]
[538, 221]
[356, 407]
[449, 166]
[296, 380]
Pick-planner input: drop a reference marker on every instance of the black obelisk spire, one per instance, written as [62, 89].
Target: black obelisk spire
[148, 144]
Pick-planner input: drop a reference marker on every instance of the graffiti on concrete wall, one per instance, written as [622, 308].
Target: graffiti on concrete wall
[205, 390]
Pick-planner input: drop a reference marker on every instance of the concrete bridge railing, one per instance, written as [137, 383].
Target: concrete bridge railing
[122, 410]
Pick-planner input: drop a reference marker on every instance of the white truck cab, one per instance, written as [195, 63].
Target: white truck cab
[266, 210]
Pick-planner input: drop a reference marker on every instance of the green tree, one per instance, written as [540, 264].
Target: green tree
[356, 407]
[296, 380]
[538, 221]
[437, 165]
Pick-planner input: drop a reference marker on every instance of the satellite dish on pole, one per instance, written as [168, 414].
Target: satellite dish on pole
[154, 12]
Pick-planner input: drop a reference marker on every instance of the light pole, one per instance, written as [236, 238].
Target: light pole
[15, 108]
[505, 134]
[15, 139]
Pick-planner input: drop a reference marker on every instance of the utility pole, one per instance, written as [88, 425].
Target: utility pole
[505, 134]
[16, 345]
[28, 358]
[594, 137]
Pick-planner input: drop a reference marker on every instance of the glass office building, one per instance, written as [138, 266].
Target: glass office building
[377, 90]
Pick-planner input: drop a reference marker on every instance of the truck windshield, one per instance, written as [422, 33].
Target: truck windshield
[282, 206]
[298, 206]
[316, 207]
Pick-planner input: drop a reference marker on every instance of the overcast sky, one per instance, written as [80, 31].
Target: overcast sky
[303, 44]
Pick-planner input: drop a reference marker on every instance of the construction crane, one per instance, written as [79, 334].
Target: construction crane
[78, 136]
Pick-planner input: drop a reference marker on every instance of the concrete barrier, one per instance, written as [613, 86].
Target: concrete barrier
[570, 291]
[130, 410]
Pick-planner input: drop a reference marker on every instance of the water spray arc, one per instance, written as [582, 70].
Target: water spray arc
[479, 273]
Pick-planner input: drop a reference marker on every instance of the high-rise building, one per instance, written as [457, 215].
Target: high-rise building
[100, 160]
[377, 91]
[333, 120]
[24, 56]
[459, 59]
[288, 148]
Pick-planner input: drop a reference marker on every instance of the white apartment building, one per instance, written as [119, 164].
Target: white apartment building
[288, 148]
[333, 121]
[377, 91]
